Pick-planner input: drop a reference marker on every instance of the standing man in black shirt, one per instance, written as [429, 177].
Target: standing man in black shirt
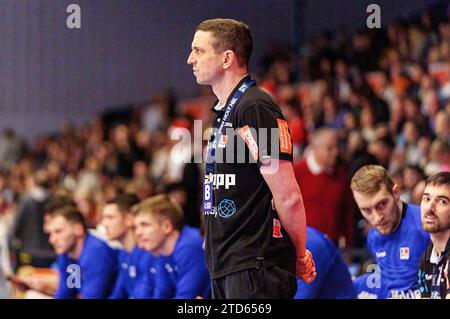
[255, 220]
[435, 208]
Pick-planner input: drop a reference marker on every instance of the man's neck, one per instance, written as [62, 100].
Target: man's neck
[169, 245]
[440, 240]
[128, 241]
[223, 89]
[400, 216]
[75, 253]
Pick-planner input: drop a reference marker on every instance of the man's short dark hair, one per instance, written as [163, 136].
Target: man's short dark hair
[231, 35]
[439, 179]
[71, 214]
[57, 202]
[124, 202]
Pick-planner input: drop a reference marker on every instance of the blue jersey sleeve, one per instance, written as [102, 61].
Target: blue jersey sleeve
[63, 291]
[120, 291]
[366, 289]
[147, 272]
[190, 278]
[370, 243]
[193, 278]
[145, 287]
[99, 273]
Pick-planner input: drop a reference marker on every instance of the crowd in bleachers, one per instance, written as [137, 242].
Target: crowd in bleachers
[385, 93]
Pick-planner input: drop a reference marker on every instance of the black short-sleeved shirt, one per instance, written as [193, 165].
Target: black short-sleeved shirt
[244, 227]
[434, 273]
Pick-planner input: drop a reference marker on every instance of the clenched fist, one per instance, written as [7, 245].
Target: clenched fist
[306, 267]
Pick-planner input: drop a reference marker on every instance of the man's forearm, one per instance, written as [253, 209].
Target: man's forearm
[293, 219]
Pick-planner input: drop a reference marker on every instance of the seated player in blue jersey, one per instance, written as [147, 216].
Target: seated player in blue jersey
[87, 265]
[136, 266]
[181, 271]
[333, 279]
[396, 239]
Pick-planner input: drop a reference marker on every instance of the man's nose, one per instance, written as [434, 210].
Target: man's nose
[190, 59]
[378, 217]
[432, 206]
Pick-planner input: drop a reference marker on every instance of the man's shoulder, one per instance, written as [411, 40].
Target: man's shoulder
[190, 237]
[412, 219]
[316, 240]
[190, 242]
[95, 246]
[256, 97]
[372, 235]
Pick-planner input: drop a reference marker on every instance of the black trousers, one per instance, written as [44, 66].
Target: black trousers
[274, 282]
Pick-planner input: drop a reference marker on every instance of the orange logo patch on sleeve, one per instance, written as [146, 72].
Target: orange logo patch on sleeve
[277, 229]
[284, 137]
[247, 136]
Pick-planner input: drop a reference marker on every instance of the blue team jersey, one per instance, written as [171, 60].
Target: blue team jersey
[398, 257]
[183, 274]
[144, 287]
[92, 275]
[133, 267]
[333, 279]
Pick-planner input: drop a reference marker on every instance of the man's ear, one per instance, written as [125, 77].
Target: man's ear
[396, 191]
[129, 220]
[79, 230]
[228, 58]
[166, 226]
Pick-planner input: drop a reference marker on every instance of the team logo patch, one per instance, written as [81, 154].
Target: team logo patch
[277, 229]
[284, 137]
[132, 271]
[226, 208]
[380, 254]
[404, 253]
[250, 141]
[223, 141]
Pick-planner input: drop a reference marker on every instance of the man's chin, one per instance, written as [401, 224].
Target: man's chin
[385, 231]
[430, 228]
[201, 81]
[59, 251]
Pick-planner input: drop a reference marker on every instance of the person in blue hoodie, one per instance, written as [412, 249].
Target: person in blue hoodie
[333, 279]
[136, 278]
[87, 265]
[181, 268]
[396, 239]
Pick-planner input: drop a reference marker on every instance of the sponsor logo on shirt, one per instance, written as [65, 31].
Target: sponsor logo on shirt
[284, 137]
[408, 294]
[226, 208]
[277, 229]
[221, 180]
[169, 268]
[132, 271]
[380, 254]
[250, 141]
[404, 253]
